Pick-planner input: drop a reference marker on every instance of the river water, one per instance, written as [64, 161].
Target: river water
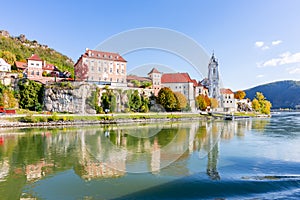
[240, 159]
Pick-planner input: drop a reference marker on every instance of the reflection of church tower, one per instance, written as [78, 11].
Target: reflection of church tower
[213, 78]
[212, 162]
[155, 76]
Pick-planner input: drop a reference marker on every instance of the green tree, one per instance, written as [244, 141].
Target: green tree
[167, 99]
[108, 100]
[146, 84]
[201, 102]
[31, 94]
[136, 83]
[9, 57]
[145, 104]
[240, 94]
[180, 101]
[135, 101]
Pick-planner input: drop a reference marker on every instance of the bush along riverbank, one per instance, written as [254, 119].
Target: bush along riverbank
[40, 120]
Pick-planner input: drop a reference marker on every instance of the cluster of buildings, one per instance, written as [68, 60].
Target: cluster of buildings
[107, 68]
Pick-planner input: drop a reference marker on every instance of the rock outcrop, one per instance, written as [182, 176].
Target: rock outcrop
[69, 98]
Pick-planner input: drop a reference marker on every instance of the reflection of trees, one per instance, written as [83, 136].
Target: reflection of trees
[260, 124]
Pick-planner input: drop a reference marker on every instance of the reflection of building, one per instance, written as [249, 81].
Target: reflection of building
[37, 171]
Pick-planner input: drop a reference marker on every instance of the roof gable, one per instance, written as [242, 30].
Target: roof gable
[35, 57]
[103, 55]
[226, 91]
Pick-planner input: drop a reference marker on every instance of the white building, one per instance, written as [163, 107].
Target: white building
[227, 99]
[34, 67]
[4, 66]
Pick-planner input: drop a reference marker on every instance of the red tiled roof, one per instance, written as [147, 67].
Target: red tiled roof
[176, 78]
[35, 57]
[226, 91]
[154, 70]
[21, 65]
[103, 55]
[49, 67]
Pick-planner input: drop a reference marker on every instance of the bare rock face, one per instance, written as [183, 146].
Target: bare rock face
[70, 99]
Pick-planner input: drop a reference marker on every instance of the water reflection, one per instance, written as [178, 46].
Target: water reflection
[28, 155]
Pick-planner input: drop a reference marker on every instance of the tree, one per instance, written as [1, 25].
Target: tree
[145, 104]
[9, 57]
[201, 102]
[81, 71]
[255, 105]
[214, 103]
[180, 100]
[31, 95]
[167, 99]
[136, 83]
[146, 84]
[135, 101]
[108, 100]
[240, 94]
[260, 104]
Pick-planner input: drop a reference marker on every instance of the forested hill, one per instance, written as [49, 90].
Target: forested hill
[282, 94]
[20, 48]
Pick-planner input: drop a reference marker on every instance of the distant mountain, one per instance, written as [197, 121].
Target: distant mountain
[22, 48]
[282, 94]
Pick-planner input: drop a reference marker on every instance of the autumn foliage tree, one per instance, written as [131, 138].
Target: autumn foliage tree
[201, 102]
[167, 99]
[240, 94]
[214, 103]
[180, 100]
[260, 104]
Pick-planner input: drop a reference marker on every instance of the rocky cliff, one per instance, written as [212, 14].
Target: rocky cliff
[69, 97]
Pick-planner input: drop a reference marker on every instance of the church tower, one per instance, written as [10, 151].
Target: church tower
[213, 78]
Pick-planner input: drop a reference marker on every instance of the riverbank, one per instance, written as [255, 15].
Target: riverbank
[54, 120]
[44, 120]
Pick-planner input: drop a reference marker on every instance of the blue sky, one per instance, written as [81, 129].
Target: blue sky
[255, 41]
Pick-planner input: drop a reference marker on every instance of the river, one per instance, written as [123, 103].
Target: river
[240, 159]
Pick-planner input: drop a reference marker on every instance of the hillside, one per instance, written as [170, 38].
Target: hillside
[23, 48]
[282, 94]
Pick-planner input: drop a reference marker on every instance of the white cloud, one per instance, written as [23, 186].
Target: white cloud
[259, 44]
[282, 59]
[294, 70]
[265, 48]
[260, 76]
[276, 42]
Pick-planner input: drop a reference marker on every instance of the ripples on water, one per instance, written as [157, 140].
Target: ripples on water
[242, 159]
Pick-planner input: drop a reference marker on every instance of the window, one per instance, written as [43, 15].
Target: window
[117, 80]
[37, 73]
[110, 70]
[105, 69]
[37, 64]
[92, 68]
[122, 71]
[110, 79]
[32, 63]
[32, 72]
[99, 69]
[117, 71]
